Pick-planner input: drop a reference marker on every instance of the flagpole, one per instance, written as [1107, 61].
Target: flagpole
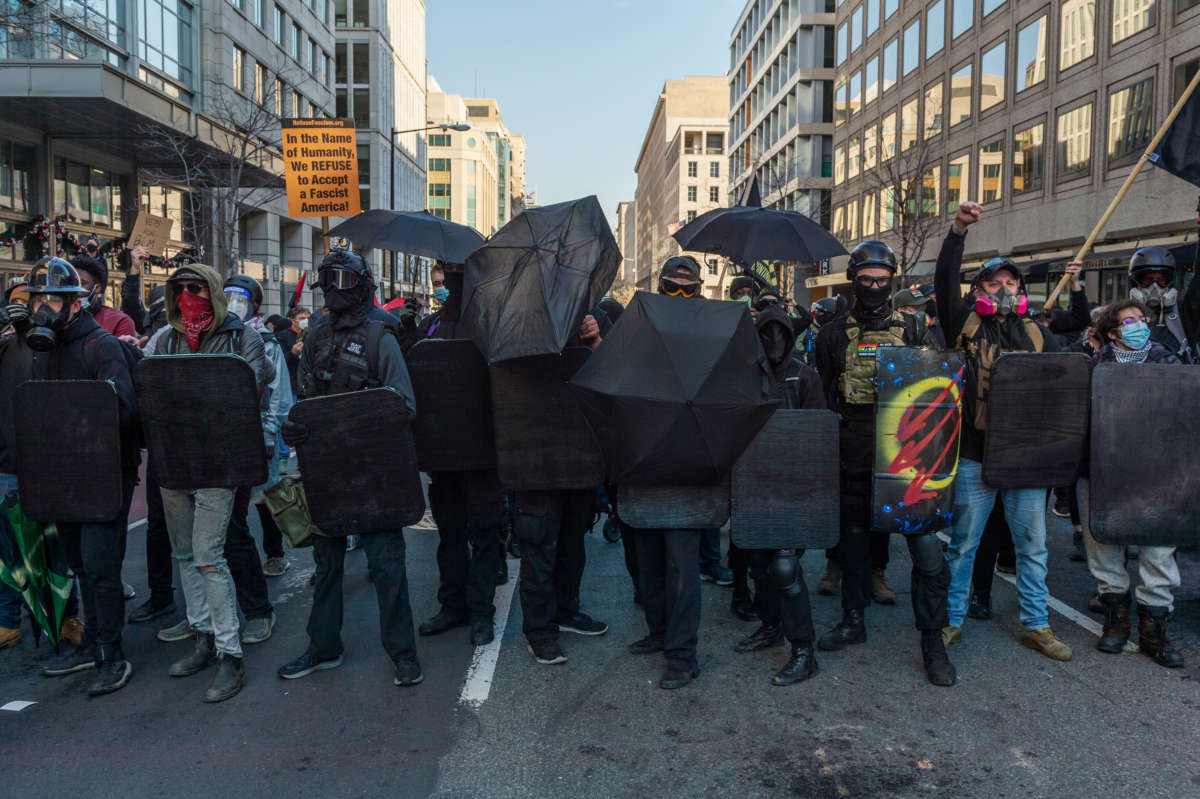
[1112, 206]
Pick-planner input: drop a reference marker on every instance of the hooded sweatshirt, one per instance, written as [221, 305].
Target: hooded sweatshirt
[799, 384]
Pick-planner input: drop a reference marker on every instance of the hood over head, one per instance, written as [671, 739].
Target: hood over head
[777, 334]
[215, 283]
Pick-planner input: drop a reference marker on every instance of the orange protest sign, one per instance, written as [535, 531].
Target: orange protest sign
[320, 167]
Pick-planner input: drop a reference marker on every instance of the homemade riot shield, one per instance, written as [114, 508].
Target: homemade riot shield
[917, 417]
[68, 448]
[453, 431]
[785, 485]
[1145, 458]
[543, 441]
[674, 507]
[359, 463]
[1037, 420]
[201, 417]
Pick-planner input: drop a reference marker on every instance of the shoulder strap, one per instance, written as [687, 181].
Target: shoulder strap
[235, 341]
[376, 330]
[1034, 331]
[970, 327]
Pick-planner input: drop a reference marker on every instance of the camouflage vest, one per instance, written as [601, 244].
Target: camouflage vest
[981, 354]
[857, 381]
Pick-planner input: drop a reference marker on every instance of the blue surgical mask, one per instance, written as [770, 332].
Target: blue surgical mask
[441, 293]
[1136, 335]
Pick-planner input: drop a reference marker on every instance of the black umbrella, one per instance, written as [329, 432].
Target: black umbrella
[747, 234]
[527, 289]
[676, 390]
[414, 232]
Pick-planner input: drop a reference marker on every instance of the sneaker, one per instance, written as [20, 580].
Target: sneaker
[110, 677]
[9, 636]
[275, 567]
[179, 631]
[582, 624]
[646, 646]
[408, 674]
[1005, 568]
[951, 635]
[71, 631]
[717, 575]
[75, 658]
[548, 653]
[152, 609]
[1062, 508]
[305, 665]
[258, 630]
[1046, 642]
[352, 543]
[128, 591]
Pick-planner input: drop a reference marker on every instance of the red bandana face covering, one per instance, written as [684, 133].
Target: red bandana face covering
[197, 313]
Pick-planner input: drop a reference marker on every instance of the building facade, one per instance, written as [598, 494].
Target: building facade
[1037, 111]
[679, 170]
[626, 234]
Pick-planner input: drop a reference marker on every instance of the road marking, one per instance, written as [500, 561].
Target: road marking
[134, 525]
[478, 684]
[17, 705]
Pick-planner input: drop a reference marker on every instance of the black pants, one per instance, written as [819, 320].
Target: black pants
[469, 510]
[159, 566]
[241, 553]
[710, 548]
[551, 526]
[95, 553]
[272, 536]
[629, 543]
[669, 576]
[385, 562]
[780, 593]
[739, 567]
[995, 546]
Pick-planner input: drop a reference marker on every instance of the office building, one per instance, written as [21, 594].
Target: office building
[626, 234]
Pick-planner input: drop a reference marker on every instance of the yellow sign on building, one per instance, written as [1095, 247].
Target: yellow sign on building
[320, 167]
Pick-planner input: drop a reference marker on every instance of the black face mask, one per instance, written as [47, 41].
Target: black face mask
[347, 300]
[44, 325]
[931, 309]
[873, 301]
[776, 343]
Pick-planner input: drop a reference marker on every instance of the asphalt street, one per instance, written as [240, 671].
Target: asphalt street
[493, 723]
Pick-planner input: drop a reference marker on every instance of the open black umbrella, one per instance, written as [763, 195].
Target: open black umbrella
[414, 232]
[676, 390]
[747, 234]
[527, 289]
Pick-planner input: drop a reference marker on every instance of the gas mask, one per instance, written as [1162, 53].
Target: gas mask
[1155, 296]
[44, 325]
[1002, 303]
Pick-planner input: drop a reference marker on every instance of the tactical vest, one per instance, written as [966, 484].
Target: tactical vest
[857, 381]
[1169, 332]
[343, 360]
[981, 358]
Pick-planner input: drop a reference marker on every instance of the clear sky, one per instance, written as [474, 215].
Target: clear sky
[579, 78]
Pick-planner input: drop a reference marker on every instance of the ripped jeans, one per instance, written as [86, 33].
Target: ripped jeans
[197, 521]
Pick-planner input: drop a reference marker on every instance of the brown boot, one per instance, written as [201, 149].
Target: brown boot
[71, 631]
[881, 592]
[831, 580]
[1116, 623]
[9, 636]
[1152, 636]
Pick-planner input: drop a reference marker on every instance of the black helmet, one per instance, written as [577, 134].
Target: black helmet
[337, 268]
[1151, 259]
[53, 275]
[824, 309]
[246, 283]
[871, 253]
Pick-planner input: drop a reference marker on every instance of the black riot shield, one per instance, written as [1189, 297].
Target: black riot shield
[1037, 419]
[453, 430]
[785, 485]
[543, 441]
[674, 507]
[202, 421]
[359, 463]
[1144, 460]
[68, 448]
[917, 416]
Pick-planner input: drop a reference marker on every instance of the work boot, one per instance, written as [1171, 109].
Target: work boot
[204, 653]
[445, 619]
[1116, 623]
[852, 629]
[980, 606]
[152, 608]
[764, 637]
[9, 636]
[1046, 642]
[881, 592]
[275, 567]
[951, 635]
[1152, 636]
[112, 672]
[938, 667]
[831, 581]
[800, 666]
[482, 632]
[1078, 553]
[75, 658]
[742, 604]
[674, 678]
[228, 679]
[71, 631]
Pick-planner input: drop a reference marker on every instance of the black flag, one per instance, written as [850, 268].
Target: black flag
[1179, 150]
[750, 197]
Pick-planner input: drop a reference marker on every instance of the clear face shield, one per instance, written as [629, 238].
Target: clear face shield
[239, 302]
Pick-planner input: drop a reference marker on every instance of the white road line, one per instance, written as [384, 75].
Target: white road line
[134, 525]
[478, 684]
[17, 705]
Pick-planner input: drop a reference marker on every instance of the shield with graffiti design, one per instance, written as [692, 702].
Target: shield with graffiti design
[917, 421]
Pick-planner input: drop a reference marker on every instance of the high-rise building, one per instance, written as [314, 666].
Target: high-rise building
[679, 171]
[82, 86]
[379, 82]
[517, 175]
[483, 113]
[626, 234]
[1037, 112]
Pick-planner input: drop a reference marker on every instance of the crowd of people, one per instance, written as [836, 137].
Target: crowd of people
[58, 327]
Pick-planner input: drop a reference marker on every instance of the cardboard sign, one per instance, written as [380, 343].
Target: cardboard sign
[320, 159]
[151, 232]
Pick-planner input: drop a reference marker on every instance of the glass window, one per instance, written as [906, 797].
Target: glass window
[870, 147]
[238, 68]
[842, 41]
[362, 63]
[908, 124]
[278, 97]
[691, 194]
[856, 29]
[693, 169]
[1184, 5]
[1130, 120]
[339, 13]
[960, 94]
[1132, 16]
[964, 17]
[839, 222]
[296, 38]
[1031, 54]
[855, 93]
[958, 172]
[868, 215]
[1074, 137]
[1076, 32]
[260, 83]
[16, 173]
[260, 12]
[841, 106]
[991, 171]
[892, 6]
[361, 16]
[339, 60]
[166, 40]
[891, 64]
[852, 219]
[912, 46]
[991, 5]
[991, 76]
[933, 110]
[714, 169]
[691, 216]
[714, 143]
[279, 30]
[854, 157]
[887, 210]
[931, 180]
[887, 137]
[1184, 72]
[839, 164]
[714, 194]
[872, 16]
[935, 28]
[1028, 159]
[362, 108]
[314, 57]
[871, 90]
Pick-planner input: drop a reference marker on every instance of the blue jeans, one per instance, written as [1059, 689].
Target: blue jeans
[10, 600]
[1025, 510]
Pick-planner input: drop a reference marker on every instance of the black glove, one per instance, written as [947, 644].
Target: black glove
[294, 434]
[16, 312]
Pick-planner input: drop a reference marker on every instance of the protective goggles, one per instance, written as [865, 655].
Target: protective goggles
[337, 279]
[672, 289]
[873, 282]
[1145, 279]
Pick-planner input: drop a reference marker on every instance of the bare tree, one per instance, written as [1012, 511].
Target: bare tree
[907, 188]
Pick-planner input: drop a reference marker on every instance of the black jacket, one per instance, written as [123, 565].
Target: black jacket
[797, 383]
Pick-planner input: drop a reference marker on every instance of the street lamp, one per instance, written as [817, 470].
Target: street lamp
[460, 127]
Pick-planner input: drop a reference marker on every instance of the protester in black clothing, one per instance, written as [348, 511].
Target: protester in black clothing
[845, 356]
[1175, 320]
[780, 594]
